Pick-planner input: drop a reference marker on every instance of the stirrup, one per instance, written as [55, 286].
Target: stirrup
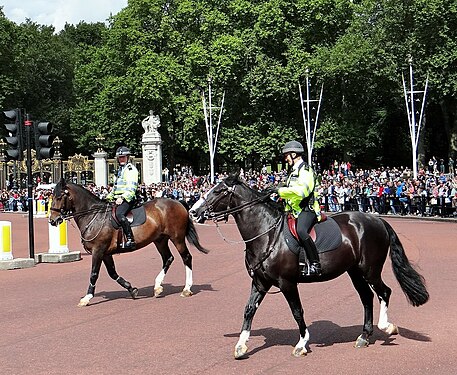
[129, 244]
[314, 269]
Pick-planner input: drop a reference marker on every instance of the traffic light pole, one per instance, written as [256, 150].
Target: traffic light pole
[28, 129]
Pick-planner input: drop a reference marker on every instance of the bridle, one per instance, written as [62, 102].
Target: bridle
[217, 216]
[220, 215]
[230, 190]
[67, 214]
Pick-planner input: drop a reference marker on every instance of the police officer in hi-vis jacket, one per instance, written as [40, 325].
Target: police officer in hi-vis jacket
[300, 195]
[124, 193]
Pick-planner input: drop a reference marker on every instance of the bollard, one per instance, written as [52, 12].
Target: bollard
[58, 246]
[58, 238]
[6, 250]
[5, 241]
[40, 207]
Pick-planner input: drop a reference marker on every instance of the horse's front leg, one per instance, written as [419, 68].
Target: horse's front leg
[95, 271]
[111, 268]
[255, 299]
[290, 291]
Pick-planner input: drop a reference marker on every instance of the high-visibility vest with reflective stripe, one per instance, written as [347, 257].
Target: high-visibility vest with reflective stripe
[301, 184]
[126, 182]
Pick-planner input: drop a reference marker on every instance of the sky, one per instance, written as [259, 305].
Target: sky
[59, 12]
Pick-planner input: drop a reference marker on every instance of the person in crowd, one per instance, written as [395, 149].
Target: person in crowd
[124, 193]
[300, 195]
[450, 165]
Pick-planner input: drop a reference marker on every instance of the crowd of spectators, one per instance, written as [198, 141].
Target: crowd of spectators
[382, 190]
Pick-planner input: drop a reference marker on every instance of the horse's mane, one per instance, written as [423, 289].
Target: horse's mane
[235, 179]
[62, 185]
[59, 187]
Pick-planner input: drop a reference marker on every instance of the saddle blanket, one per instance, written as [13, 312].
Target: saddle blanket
[328, 236]
[136, 217]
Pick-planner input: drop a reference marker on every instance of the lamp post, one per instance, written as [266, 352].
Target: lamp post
[414, 116]
[310, 115]
[3, 163]
[58, 156]
[212, 131]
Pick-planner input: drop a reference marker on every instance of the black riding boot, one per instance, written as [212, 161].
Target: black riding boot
[130, 242]
[314, 268]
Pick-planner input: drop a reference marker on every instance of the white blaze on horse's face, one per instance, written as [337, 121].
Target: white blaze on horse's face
[195, 213]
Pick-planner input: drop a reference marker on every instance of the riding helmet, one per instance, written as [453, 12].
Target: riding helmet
[293, 146]
[122, 151]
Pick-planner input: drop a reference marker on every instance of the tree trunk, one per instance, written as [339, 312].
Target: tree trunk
[448, 107]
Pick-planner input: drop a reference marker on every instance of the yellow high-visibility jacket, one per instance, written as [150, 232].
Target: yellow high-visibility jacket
[301, 184]
[126, 183]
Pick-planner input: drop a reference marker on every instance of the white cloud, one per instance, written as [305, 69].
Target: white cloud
[59, 12]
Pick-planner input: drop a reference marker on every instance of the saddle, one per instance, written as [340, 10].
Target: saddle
[326, 234]
[136, 217]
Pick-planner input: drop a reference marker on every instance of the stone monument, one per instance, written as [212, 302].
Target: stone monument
[100, 165]
[152, 150]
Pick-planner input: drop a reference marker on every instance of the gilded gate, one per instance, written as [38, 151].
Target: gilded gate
[77, 168]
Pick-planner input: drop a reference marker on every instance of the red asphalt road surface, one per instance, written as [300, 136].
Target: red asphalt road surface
[42, 331]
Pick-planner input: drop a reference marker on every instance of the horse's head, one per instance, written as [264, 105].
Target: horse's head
[61, 203]
[215, 201]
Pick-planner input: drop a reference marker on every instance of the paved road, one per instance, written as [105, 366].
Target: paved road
[43, 332]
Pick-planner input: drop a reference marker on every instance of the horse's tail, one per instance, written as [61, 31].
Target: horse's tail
[192, 236]
[411, 282]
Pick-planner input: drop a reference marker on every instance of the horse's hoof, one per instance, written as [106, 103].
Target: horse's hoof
[392, 329]
[361, 342]
[240, 351]
[133, 293]
[186, 293]
[158, 291]
[83, 302]
[299, 352]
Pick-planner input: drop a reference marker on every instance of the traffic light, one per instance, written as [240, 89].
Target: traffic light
[43, 140]
[13, 125]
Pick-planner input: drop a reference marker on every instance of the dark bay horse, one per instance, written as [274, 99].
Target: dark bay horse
[366, 240]
[166, 219]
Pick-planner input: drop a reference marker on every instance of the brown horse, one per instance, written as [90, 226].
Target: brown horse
[361, 252]
[166, 219]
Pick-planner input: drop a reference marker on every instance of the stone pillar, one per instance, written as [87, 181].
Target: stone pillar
[101, 168]
[152, 150]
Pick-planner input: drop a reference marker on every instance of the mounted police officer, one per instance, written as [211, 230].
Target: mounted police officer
[300, 195]
[124, 193]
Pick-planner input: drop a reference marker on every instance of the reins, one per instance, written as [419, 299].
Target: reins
[218, 216]
[233, 242]
[79, 213]
[222, 215]
[88, 225]
[74, 215]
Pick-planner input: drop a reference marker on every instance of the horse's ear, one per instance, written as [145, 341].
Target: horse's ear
[233, 178]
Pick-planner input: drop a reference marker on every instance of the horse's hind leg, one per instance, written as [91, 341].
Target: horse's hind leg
[167, 260]
[187, 260]
[366, 296]
[111, 268]
[383, 292]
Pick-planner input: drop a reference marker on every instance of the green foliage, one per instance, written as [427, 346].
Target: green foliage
[93, 79]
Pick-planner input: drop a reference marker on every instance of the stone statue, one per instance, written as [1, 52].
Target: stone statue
[151, 123]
